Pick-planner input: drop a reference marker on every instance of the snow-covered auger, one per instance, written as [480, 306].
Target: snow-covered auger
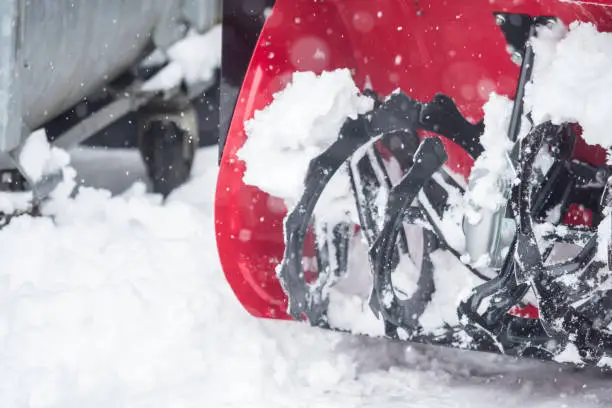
[427, 206]
[73, 68]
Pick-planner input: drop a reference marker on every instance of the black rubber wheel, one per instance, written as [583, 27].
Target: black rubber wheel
[168, 153]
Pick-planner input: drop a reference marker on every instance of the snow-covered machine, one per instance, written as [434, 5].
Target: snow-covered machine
[432, 171]
[75, 67]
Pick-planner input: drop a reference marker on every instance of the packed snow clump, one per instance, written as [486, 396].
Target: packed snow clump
[604, 236]
[302, 121]
[193, 60]
[572, 79]
[37, 159]
[492, 169]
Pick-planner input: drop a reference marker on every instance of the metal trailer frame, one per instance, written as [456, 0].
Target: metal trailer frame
[53, 56]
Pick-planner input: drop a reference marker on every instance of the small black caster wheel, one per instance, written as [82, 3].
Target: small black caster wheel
[168, 144]
[11, 180]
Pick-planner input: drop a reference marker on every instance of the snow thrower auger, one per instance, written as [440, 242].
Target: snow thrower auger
[475, 221]
[73, 69]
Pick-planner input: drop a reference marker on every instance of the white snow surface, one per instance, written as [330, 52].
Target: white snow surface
[572, 79]
[453, 283]
[302, 121]
[120, 301]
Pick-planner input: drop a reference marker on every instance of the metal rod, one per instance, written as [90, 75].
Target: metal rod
[524, 77]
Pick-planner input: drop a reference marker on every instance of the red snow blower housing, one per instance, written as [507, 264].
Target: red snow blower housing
[524, 278]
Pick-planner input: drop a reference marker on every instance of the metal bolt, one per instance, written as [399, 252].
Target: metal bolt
[517, 58]
[500, 20]
[602, 175]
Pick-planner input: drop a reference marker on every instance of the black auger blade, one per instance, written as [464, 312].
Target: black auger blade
[306, 300]
[429, 158]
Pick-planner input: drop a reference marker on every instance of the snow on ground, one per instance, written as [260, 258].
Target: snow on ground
[121, 302]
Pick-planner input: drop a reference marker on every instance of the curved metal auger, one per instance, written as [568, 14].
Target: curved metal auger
[399, 118]
[574, 306]
[566, 291]
[567, 311]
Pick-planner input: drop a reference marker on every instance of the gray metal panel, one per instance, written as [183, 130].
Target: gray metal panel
[10, 101]
[55, 52]
[202, 14]
[72, 48]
